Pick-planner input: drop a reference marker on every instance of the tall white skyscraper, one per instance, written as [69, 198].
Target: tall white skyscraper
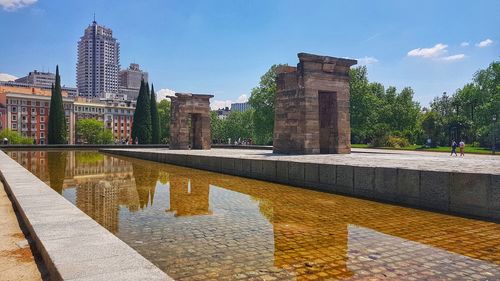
[98, 63]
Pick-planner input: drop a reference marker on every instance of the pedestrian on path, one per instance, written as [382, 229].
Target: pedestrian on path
[462, 148]
[453, 148]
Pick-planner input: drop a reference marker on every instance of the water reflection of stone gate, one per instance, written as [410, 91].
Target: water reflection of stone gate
[190, 122]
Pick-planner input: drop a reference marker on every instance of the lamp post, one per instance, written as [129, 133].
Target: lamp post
[494, 120]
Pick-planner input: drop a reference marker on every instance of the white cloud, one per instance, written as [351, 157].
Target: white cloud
[367, 60]
[485, 43]
[11, 5]
[7, 77]
[454, 57]
[164, 93]
[216, 104]
[464, 44]
[242, 98]
[436, 51]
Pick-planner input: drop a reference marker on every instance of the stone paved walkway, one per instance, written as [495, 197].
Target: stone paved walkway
[16, 259]
[425, 161]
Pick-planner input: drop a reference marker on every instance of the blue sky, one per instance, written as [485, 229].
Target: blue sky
[223, 47]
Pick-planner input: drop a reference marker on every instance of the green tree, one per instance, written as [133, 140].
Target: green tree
[363, 105]
[92, 131]
[431, 125]
[262, 100]
[141, 128]
[217, 128]
[164, 120]
[14, 137]
[155, 122]
[57, 133]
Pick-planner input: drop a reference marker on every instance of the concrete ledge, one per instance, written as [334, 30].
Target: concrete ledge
[469, 194]
[73, 246]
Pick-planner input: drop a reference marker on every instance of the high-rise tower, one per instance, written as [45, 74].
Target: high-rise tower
[98, 63]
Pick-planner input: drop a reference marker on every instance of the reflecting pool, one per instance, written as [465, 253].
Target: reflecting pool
[198, 225]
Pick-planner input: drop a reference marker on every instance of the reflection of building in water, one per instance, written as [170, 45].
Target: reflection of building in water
[33, 161]
[102, 183]
[189, 197]
[99, 200]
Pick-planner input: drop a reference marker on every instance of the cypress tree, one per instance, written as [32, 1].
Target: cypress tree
[57, 122]
[141, 128]
[155, 122]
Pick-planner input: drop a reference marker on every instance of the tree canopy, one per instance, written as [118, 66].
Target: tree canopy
[155, 122]
[141, 128]
[57, 133]
[92, 131]
[164, 120]
[262, 101]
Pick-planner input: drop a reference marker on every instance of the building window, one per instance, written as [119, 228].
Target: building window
[14, 126]
[14, 117]
[33, 110]
[42, 110]
[42, 118]
[23, 109]
[14, 109]
[42, 126]
[42, 134]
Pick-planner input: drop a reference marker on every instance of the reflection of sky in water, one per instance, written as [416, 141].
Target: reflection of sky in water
[200, 225]
[387, 256]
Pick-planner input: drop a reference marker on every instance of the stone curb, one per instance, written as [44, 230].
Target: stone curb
[73, 246]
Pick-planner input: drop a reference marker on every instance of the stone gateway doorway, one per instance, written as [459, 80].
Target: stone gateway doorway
[327, 121]
[190, 121]
[312, 106]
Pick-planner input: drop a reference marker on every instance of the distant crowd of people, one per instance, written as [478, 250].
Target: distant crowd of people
[126, 141]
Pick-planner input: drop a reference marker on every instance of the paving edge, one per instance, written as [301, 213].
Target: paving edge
[73, 246]
[464, 194]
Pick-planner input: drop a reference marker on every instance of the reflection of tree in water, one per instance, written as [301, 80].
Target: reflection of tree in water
[56, 161]
[146, 176]
[89, 157]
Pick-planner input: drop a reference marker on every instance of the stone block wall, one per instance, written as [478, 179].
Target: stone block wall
[312, 106]
[190, 121]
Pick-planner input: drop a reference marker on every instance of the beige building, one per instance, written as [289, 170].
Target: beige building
[26, 110]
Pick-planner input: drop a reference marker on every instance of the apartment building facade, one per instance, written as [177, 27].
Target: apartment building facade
[26, 111]
[98, 63]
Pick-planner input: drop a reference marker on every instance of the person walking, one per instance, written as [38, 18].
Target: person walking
[462, 148]
[453, 148]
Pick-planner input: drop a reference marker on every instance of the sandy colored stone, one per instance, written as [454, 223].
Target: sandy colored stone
[16, 263]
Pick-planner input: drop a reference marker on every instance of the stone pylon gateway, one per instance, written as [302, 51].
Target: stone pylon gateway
[312, 106]
[190, 121]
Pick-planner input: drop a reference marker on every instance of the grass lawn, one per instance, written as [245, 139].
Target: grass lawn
[468, 149]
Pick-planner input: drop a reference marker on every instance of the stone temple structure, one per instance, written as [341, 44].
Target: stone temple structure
[190, 121]
[312, 106]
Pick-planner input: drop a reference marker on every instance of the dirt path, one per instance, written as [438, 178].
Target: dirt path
[16, 259]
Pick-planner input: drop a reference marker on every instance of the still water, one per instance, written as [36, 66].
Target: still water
[198, 225]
